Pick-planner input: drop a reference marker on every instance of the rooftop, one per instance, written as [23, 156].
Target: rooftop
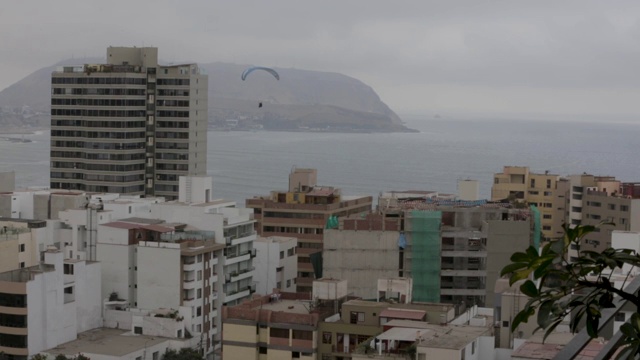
[288, 306]
[139, 220]
[451, 336]
[535, 349]
[276, 239]
[107, 342]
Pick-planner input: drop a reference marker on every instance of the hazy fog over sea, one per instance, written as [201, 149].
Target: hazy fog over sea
[244, 164]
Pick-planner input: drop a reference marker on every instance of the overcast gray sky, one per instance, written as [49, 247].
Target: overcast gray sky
[527, 57]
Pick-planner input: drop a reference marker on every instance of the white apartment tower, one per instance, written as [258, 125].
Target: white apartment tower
[129, 126]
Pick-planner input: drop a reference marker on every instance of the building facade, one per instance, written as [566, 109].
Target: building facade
[453, 251]
[303, 212]
[46, 305]
[129, 126]
[276, 264]
[546, 191]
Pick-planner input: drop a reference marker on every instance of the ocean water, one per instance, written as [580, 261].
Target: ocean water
[244, 164]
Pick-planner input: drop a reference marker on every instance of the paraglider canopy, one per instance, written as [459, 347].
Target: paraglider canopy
[253, 68]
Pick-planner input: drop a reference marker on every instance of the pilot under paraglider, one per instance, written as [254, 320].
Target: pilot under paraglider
[252, 68]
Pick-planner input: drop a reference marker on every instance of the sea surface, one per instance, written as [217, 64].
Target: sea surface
[245, 164]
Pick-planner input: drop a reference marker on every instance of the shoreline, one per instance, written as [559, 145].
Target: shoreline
[10, 130]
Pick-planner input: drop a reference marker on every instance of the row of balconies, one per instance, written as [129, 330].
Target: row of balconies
[239, 275]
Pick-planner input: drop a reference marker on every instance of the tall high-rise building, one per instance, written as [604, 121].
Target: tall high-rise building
[129, 126]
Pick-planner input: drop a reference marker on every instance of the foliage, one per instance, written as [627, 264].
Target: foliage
[61, 357]
[183, 354]
[580, 288]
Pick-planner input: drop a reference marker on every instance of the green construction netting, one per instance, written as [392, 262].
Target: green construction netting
[316, 262]
[536, 226]
[332, 222]
[425, 255]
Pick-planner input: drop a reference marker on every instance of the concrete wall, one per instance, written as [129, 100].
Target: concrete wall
[267, 261]
[41, 206]
[440, 354]
[503, 239]
[117, 270]
[5, 204]
[88, 288]
[52, 320]
[201, 189]
[361, 258]
[8, 253]
[158, 276]
[468, 190]
[7, 181]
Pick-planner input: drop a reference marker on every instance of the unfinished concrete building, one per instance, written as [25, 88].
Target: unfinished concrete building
[452, 250]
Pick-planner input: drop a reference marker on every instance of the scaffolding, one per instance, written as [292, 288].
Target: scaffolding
[536, 226]
[425, 254]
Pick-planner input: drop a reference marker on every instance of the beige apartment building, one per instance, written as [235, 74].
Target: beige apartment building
[303, 212]
[129, 126]
[546, 191]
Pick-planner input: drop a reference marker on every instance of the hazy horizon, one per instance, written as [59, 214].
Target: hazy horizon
[565, 58]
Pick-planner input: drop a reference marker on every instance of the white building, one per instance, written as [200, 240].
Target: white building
[194, 255]
[276, 264]
[47, 305]
[117, 344]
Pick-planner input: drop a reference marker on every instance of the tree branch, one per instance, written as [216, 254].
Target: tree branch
[625, 295]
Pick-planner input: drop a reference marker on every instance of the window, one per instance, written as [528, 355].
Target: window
[473, 347]
[546, 216]
[199, 275]
[137, 330]
[200, 258]
[22, 264]
[199, 293]
[68, 269]
[295, 354]
[302, 335]
[326, 337]
[288, 283]
[281, 254]
[624, 208]
[199, 311]
[22, 248]
[279, 284]
[357, 317]
[505, 324]
[155, 356]
[279, 333]
[548, 183]
[619, 316]
[533, 183]
[611, 206]
[290, 252]
[263, 350]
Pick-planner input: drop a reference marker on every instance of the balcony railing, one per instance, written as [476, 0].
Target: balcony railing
[580, 341]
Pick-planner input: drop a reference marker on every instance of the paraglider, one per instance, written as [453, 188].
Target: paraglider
[251, 69]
